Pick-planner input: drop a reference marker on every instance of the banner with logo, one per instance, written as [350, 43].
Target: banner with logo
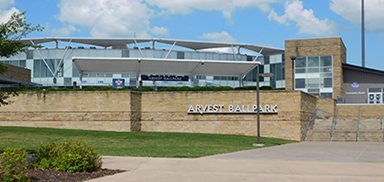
[118, 83]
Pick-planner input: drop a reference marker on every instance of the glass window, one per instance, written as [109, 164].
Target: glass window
[124, 75]
[300, 70]
[125, 53]
[326, 95]
[36, 68]
[313, 61]
[300, 83]
[313, 91]
[266, 59]
[374, 89]
[216, 77]
[249, 58]
[272, 69]
[278, 74]
[326, 70]
[109, 75]
[313, 83]
[327, 82]
[180, 55]
[209, 56]
[299, 63]
[325, 60]
[75, 71]
[23, 63]
[30, 54]
[313, 70]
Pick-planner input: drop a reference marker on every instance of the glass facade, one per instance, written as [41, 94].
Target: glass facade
[313, 74]
[44, 63]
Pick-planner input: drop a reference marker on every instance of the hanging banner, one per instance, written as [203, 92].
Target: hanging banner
[118, 83]
[164, 78]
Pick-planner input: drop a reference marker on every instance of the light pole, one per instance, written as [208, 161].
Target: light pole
[258, 143]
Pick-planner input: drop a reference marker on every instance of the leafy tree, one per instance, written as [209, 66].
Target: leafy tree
[10, 34]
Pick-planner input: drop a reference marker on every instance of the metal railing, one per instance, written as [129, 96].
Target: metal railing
[334, 122]
[358, 127]
[318, 114]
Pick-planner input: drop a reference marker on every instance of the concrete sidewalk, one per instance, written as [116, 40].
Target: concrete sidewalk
[325, 161]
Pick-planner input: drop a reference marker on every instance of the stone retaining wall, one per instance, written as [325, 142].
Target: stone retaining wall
[161, 111]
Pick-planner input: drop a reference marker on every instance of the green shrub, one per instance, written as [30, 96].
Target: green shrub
[13, 165]
[223, 88]
[63, 89]
[70, 156]
[148, 89]
[184, 88]
[51, 90]
[135, 89]
[172, 89]
[107, 88]
[266, 88]
[90, 89]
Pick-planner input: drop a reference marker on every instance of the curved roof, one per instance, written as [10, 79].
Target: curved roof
[164, 66]
[195, 45]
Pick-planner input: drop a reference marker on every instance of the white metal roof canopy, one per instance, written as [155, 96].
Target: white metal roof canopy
[163, 66]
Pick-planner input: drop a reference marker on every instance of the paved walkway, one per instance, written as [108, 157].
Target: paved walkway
[314, 161]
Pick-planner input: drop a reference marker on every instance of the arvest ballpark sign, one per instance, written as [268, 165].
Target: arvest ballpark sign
[232, 109]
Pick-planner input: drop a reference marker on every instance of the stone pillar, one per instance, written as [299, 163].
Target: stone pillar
[135, 111]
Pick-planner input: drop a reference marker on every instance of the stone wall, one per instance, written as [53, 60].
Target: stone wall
[317, 47]
[347, 111]
[327, 104]
[161, 111]
[71, 110]
[167, 112]
[17, 73]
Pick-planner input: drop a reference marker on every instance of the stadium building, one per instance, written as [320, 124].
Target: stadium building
[315, 66]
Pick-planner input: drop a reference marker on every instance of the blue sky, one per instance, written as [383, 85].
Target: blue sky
[261, 22]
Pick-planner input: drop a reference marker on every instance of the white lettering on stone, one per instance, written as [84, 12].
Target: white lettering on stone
[191, 109]
[230, 108]
[273, 108]
[221, 108]
[215, 108]
[254, 108]
[238, 109]
[267, 108]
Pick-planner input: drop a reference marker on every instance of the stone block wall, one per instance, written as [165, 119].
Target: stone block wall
[104, 110]
[366, 111]
[17, 73]
[317, 47]
[168, 112]
[161, 111]
[328, 105]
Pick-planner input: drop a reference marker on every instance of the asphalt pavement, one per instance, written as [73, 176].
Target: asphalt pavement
[306, 161]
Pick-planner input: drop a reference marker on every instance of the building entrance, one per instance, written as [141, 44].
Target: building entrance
[375, 98]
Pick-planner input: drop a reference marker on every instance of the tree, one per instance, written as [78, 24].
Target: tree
[10, 34]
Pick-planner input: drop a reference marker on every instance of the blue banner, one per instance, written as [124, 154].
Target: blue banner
[118, 83]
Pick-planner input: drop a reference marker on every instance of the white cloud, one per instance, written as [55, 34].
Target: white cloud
[122, 18]
[350, 11]
[4, 13]
[103, 18]
[64, 31]
[221, 37]
[6, 3]
[226, 6]
[305, 19]
[160, 31]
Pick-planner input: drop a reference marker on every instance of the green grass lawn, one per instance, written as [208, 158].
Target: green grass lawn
[153, 144]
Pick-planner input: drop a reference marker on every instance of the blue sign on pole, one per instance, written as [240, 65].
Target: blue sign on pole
[118, 83]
